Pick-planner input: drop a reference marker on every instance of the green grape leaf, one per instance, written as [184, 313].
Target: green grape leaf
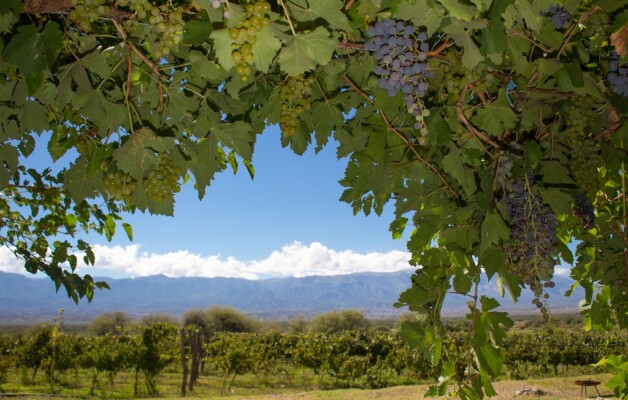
[323, 118]
[494, 230]
[459, 10]
[196, 32]
[137, 155]
[329, 11]
[223, 46]
[497, 116]
[104, 113]
[237, 136]
[265, 49]
[453, 165]
[413, 334]
[80, 184]
[471, 56]
[490, 359]
[422, 14]
[304, 52]
[34, 117]
[34, 52]
[494, 42]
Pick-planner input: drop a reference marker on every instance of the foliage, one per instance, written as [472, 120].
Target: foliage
[486, 103]
[113, 323]
[618, 365]
[156, 348]
[338, 321]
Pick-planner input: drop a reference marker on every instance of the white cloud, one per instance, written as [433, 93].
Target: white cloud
[295, 259]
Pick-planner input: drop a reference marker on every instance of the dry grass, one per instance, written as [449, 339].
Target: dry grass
[554, 389]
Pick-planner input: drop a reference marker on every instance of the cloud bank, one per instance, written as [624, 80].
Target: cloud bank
[295, 259]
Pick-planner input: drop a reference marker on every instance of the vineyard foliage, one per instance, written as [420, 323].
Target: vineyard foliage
[496, 128]
[366, 359]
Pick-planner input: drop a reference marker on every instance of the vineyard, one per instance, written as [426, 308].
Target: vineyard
[149, 361]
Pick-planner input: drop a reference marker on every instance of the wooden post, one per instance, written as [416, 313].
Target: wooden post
[184, 363]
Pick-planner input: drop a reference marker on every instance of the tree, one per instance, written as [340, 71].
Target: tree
[496, 128]
[113, 323]
[338, 321]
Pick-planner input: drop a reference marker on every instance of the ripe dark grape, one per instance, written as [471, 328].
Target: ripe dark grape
[401, 55]
[295, 99]
[560, 16]
[583, 209]
[531, 249]
[618, 75]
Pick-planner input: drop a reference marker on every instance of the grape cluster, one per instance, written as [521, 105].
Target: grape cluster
[401, 55]
[585, 157]
[119, 185]
[244, 35]
[618, 75]
[560, 16]
[295, 99]
[531, 247]
[163, 181]
[219, 3]
[165, 22]
[84, 12]
[583, 209]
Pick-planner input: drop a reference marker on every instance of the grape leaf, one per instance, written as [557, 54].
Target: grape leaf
[453, 165]
[494, 230]
[79, 183]
[236, 136]
[471, 56]
[323, 119]
[265, 49]
[33, 52]
[305, 51]
[104, 113]
[459, 10]
[496, 117]
[422, 14]
[329, 11]
[223, 46]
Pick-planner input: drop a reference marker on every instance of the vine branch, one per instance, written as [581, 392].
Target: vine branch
[285, 12]
[463, 118]
[404, 138]
[149, 63]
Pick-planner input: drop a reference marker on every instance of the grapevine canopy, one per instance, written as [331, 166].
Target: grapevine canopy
[496, 128]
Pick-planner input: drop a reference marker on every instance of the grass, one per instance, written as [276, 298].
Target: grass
[561, 388]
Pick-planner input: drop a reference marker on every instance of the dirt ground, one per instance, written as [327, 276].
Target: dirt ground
[552, 389]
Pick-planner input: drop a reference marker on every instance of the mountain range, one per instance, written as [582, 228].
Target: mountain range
[26, 300]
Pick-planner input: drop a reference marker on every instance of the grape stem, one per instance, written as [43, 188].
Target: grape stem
[475, 131]
[570, 32]
[129, 63]
[146, 61]
[285, 12]
[404, 138]
[347, 5]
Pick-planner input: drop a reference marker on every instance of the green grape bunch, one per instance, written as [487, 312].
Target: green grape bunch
[119, 186]
[163, 181]
[295, 96]
[244, 35]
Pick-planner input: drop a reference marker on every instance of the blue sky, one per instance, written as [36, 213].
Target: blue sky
[287, 221]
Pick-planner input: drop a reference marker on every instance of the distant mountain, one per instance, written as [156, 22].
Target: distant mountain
[24, 299]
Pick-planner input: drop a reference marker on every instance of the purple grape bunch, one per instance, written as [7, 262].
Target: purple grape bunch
[559, 14]
[531, 248]
[583, 209]
[618, 75]
[401, 55]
